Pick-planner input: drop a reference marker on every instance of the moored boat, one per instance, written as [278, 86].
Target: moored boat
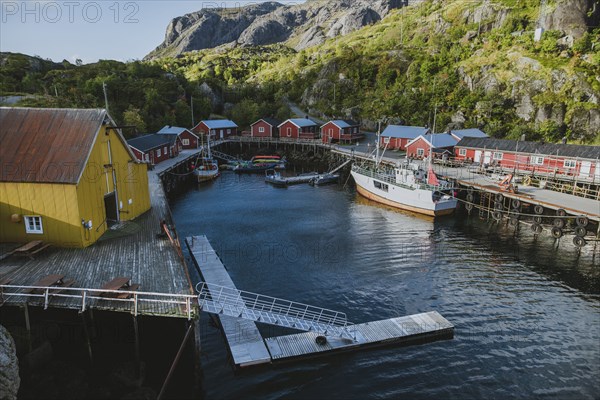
[324, 179]
[261, 163]
[207, 167]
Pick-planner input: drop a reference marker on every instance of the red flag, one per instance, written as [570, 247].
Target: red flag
[432, 178]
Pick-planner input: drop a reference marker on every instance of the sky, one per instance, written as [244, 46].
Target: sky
[93, 30]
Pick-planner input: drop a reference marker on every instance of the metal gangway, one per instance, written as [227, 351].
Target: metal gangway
[216, 299]
[342, 165]
[224, 156]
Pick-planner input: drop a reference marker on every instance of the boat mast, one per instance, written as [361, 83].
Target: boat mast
[208, 145]
[377, 144]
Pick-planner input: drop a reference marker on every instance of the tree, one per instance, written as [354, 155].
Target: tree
[132, 116]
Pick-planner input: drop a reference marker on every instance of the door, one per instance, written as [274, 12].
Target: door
[110, 206]
[487, 157]
[477, 157]
[597, 172]
[586, 167]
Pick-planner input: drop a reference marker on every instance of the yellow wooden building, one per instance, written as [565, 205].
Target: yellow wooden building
[65, 176]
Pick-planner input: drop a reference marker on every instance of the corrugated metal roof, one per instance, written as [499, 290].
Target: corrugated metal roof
[301, 122]
[219, 123]
[404, 132]
[344, 123]
[151, 141]
[566, 150]
[472, 132]
[437, 140]
[271, 121]
[46, 145]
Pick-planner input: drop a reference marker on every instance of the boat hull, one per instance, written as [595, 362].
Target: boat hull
[404, 199]
[203, 176]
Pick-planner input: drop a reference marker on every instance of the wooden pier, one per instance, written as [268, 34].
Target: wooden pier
[247, 346]
[245, 342]
[411, 329]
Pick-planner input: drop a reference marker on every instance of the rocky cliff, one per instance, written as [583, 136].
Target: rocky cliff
[9, 366]
[303, 25]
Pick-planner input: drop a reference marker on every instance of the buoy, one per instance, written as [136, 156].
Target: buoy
[559, 223]
[538, 209]
[537, 219]
[470, 190]
[536, 228]
[469, 197]
[516, 203]
[580, 231]
[468, 206]
[557, 233]
[499, 197]
[561, 213]
[579, 241]
[498, 206]
[582, 220]
[497, 215]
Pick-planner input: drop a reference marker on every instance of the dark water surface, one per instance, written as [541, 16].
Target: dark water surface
[526, 310]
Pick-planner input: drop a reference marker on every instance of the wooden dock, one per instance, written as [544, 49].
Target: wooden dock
[411, 329]
[245, 342]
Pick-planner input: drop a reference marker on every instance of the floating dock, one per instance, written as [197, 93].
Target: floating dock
[245, 342]
[411, 329]
[277, 179]
[238, 310]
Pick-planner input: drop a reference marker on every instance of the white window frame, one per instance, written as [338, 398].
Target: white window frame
[166, 150]
[497, 155]
[158, 153]
[185, 142]
[570, 164]
[420, 152]
[33, 224]
[537, 160]
[289, 132]
[386, 139]
[147, 157]
[462, 152]
[229, 131]
[261, 129]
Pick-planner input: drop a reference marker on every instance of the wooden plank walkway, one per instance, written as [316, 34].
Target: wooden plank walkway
[411, 329]
[245, 342]
[134, 250]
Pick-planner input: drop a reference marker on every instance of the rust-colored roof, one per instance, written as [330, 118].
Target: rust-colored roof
[46, 144]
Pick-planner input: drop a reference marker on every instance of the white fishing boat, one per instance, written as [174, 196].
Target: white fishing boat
[206, 168]
[405, 185]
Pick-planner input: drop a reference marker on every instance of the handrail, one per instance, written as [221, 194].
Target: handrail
[85, 294]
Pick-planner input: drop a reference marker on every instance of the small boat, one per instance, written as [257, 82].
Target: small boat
[207, 168]
[274, 177]
[260, 163]
[324, 179]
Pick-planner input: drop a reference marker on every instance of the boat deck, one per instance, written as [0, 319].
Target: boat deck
[245, 342]
[411, 329]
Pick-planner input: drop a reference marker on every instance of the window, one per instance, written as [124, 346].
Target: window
[185, 142]
[289, 132]
[147, 156]
[570, 163]
[33, 224]
[261, 129]
[386, 140]
[165, 150]
[229, 131]
[380, 186]
[355, 130]
[158, 153]
[462, 152]
[420, 152]
[330, 132]
[537, 160]
[497, 155]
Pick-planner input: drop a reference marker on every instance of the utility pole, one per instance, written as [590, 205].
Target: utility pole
[105, 96]
[192, 107]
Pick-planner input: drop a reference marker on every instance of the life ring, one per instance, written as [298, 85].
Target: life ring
[468, 206]
[516, 203]
[557, 233]
[499, 197]
[582, 220]
[538, 209]
[536, 228]
[498, 206]
[469, 197]
[470, 190]
[561, 213]
[527, 181]
[321, 340]
[559, 223]
[579, 241]
[497, 215]
[580, 231]
[537, 219]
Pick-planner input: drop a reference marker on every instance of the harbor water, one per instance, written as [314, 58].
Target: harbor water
[526, 309]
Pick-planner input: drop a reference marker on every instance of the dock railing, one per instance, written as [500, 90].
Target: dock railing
[141, 302]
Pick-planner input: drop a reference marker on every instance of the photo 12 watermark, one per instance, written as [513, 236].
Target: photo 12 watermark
[54, 12]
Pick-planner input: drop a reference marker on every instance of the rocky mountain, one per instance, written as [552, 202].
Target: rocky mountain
[300, 26]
